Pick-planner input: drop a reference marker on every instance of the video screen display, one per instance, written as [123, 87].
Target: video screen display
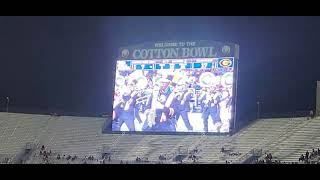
[174, 95]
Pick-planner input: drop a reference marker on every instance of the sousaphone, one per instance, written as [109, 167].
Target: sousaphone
[141, 80]
[208, 79]
[227, 79]
[120, 81]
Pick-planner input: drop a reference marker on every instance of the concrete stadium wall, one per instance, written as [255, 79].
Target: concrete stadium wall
[318, 99]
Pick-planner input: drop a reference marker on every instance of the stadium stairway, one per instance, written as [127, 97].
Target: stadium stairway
[142, 148]
[296, 142]
[124, 145]
[210, 149]
[18, 129]
[159, 144]
[257, 135]
[76, 135]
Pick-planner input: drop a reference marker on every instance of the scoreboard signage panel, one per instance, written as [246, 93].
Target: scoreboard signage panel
[175, 50]
[176, 87]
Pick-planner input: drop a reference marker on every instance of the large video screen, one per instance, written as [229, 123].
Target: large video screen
[174, 95]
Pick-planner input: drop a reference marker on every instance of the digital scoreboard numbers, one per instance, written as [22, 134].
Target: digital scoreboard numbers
[181, 64]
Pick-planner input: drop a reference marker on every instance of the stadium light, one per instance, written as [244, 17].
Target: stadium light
[8, 100]
[258, 109]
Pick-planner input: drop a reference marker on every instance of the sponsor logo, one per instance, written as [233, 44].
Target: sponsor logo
[125, 53]
[225, 62]
[226, 50]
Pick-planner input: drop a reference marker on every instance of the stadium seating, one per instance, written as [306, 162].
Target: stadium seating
[258, 135]
[297, 141]
[19, 129]
[75, 135]
[285, 138]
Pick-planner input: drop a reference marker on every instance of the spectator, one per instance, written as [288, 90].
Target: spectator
[196, 150]
[109, 158]
[307, 155]
[313, 153]
[301, 158]
[222, 149]
[42, 147]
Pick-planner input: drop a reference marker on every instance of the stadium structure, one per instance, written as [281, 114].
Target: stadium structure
[174, 102]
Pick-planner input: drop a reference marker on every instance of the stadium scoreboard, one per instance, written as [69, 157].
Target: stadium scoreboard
[172, 87]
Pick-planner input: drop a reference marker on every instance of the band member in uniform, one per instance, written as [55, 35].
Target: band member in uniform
[138, 108]
[117, 109]
[158, 126]
[155, 106]
[168, 116]
[151, 122]
[184, 107]
[210, 107]
[225, 109]
[127, 106]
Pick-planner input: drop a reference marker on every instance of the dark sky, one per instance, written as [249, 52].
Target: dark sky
[65, 64]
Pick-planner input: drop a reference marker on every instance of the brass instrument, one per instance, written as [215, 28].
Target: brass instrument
[120, 81]
[208, 79]
[227, 79]
[151, 113]
[139, 78]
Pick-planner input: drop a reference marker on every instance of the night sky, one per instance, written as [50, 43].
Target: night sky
[65, 64]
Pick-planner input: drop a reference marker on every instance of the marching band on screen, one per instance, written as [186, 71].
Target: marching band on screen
[173, 99]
